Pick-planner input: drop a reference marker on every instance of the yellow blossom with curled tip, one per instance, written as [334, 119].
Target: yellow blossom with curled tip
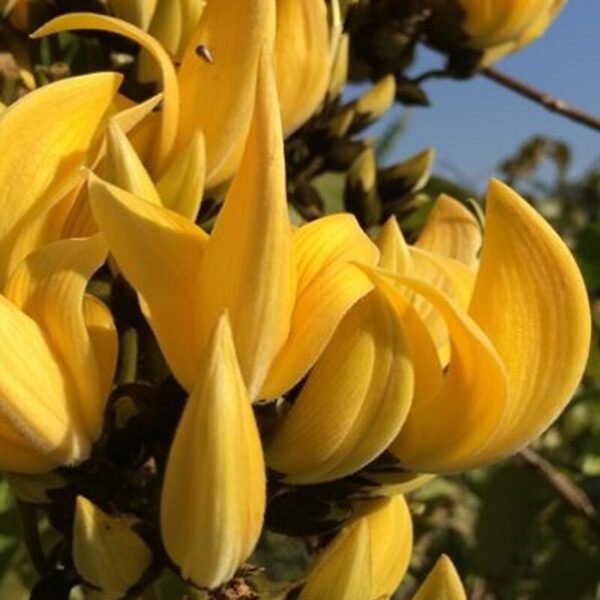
[214, 492]
[496, 344]
[107, 553]
[502, 339]
[368, 558]
[59, 349]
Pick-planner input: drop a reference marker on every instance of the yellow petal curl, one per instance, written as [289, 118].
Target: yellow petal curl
[65, 116]
[213, 497]
[327, 287]
[160, 253]
[354, 401]
[531, 301]
[49, 286]
[448, 431]
[170, 114]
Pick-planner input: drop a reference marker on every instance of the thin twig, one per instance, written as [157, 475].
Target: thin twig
[128, 357]
[31, 536]
[551, 103]
[570, 492]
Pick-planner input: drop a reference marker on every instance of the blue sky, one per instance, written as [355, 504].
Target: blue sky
[475, 124]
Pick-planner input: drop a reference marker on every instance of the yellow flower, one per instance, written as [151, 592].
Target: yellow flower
[106, 552]
[213, 497]
[59, 344]
[496, 347]
[187, 279]
[500, 343]
[534, 30]
[368, 558]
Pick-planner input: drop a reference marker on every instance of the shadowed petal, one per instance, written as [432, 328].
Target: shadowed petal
[49, 287]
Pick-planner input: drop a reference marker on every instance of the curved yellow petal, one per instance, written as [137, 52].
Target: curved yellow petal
[217, 98]
[182, 184]
[170, 113]
[442, 583]
[41, 423]
[160, 253]
[327, 286]
[64, 116]
[367, 559]
[452, 231]
[343, 569]
[302, 59]
[428, 372]
[354, 401]
[124, 168]
[448, 431]
[106, 552]
[49, 287]
[214, 488]
[248, 268]
[531, 302]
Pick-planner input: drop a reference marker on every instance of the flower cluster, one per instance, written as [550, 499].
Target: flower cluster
[296, 356]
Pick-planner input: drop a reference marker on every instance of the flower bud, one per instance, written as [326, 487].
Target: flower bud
[107, 553]
[213, 498]
[368, 558]
[442, 582]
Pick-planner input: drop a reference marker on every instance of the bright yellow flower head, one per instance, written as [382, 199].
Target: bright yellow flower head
[496, 347]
